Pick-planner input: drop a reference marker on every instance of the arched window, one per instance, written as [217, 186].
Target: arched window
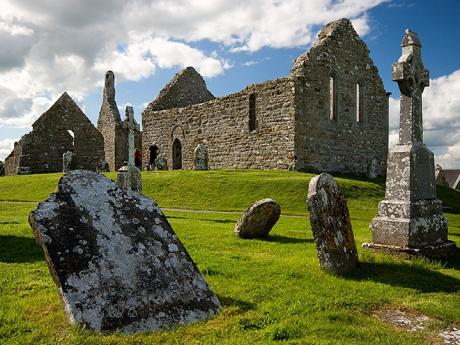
[332, 98]
[252, 112]
[359, 101]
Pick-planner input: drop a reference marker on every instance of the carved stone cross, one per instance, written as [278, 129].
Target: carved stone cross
[412, 78]
[131, 125]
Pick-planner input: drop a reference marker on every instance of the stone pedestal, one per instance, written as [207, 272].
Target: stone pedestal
[129, 177]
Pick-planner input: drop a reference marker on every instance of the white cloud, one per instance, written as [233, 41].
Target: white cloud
[441, 119]
[56, 46]
[6, 146]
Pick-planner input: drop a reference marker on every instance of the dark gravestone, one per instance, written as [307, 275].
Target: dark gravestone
[409, 220]
[331, 226]
[116, 260]
[201, 157]
[259, 219]
[161, 164]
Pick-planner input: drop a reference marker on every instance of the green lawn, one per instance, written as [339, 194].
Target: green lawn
[272, 290]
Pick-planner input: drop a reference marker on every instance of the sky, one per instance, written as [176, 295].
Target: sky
[52, 46]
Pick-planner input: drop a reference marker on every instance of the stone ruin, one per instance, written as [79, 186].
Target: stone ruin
[113, 129]
[410, 220]
[259, 219]
[115, 259]
[63, 127]
[329, 114]
[331, 226]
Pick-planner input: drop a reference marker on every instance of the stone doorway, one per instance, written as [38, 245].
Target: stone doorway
[177, 154]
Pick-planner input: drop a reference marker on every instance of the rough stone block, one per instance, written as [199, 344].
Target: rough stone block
[259, 219]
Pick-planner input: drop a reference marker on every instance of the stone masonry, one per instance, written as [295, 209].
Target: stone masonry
[63, 127]
[284, 123]
[111, 126]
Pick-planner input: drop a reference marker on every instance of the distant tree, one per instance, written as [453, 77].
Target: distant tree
[2, 168]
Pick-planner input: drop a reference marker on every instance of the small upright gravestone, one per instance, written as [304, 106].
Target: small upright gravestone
[410, 220]
[161, 164]
[117, 262]
[67, 161]
[201, 157]
[129, 176]
[331, 226]
[259, 219]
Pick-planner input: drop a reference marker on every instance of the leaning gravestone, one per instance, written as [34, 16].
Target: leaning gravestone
[116, 260]
[410, 220]
[201, 157]
[259, 219]
[330, 223]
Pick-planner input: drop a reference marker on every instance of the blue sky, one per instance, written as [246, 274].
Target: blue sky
[57, 47]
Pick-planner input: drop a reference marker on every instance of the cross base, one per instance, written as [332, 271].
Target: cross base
[129, 177]
[443, 250]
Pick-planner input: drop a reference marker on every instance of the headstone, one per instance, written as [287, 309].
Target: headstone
[129, 176]
[23, 171]
[331, 226]
[102, 166]
[161, 164]
[259, 219]
[67, 161]
[409, 220]
[115, 259]
[372, 171]
[201, 157]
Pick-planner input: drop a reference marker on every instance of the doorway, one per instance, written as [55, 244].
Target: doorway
[177, 154]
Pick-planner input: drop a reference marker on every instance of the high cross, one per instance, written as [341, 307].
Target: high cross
[412, 78]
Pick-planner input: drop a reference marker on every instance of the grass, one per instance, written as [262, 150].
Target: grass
[273, 290]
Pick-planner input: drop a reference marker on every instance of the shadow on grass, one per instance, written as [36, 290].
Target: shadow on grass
[241, 305]
[285, 239]
[205, 219]
[15, 249]
[405, 275]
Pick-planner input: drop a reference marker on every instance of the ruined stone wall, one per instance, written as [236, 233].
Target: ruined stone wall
[12, 161]
[223, 124]
[342, 144]
[41, 150]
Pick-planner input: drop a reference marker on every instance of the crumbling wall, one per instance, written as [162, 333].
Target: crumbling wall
[41, 150]
[342, 144]
[223, 124]
[12, 161]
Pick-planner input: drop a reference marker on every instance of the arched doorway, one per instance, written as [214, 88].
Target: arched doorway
[177, 154]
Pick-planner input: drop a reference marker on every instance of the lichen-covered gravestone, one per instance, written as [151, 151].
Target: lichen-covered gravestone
[116, 260]
[331, 226]
[201, 157]
[259, 219]
[67, 161]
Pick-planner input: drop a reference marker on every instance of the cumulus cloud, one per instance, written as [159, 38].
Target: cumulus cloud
[441, 119]
[56, 46]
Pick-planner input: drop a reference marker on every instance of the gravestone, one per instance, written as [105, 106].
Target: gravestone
[161, 164]
[201, 157]
[331, 226]
[259, 219]
[129, 176]
[372, 170]
[67, 161]
[409, 220]
[102, 166]
[115, 259]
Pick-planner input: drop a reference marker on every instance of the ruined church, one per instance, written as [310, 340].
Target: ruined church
[329, 114]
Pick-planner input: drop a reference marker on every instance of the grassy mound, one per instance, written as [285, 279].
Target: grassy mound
[272, 290]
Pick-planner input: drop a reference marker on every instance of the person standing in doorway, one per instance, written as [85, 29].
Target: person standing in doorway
[153, 150]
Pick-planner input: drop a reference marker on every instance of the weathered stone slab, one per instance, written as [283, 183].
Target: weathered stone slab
[259, 219]
[129, 177]
[67, 161]
[331, 226]
[201, 157]
[116, 260]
